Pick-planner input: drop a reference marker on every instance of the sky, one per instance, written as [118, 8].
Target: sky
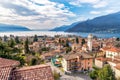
[48, 14]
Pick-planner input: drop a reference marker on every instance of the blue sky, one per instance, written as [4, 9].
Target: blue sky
[47, 14]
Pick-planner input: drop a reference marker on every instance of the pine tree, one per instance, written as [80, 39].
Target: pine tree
[17, 39]
[77, 40]
[26, 46]
[35, 38]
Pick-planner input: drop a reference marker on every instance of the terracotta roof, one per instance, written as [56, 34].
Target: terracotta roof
[71, 56]
[8, 71]
[101, 59]
[5, 73]
[86, 55]
[76, 55]
[105, 48]
[96, 45]
[108, 60]
[6, 66]
[113, 49]
[7, 62]
[38, 72]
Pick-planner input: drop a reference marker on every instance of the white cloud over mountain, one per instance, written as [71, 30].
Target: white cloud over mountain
[34, 13]
[46, 14]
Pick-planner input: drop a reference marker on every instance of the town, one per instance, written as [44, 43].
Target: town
[59, 58]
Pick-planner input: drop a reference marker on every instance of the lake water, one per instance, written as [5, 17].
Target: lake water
[52, 33]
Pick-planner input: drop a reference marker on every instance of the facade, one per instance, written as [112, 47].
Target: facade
[112, 58]
[110, 53]
[117, 70]
[77, 62]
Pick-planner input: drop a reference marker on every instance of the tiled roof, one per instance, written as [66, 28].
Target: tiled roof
[6, 66]
[74, 55]
[113, 49]
[71, 56]
[8, 62]
[8, 71]
[5, 73]
[38, 72]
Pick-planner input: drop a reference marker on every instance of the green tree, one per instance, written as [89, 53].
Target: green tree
[67, 43]
[117, 39]
[77, 40]
[56, 75]
[68, 49]
[93, 75]
[106, 73]
[5, 38]
[33, 61]
[26, 46]
[83, 41]
[11, 43]
[17, 39]
[35, 38]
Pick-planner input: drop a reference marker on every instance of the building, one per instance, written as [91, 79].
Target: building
[89, 42]
[112, 58]
[9, 70]
[77, 62]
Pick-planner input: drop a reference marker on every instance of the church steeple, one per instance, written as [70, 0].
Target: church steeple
[89, 43]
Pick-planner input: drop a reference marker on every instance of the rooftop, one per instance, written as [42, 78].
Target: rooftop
[8, 71]
[7, 62]
[38, 72]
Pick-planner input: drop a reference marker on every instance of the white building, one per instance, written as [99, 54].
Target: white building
[89, 43]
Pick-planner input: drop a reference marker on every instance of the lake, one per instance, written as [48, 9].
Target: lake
[52, 33]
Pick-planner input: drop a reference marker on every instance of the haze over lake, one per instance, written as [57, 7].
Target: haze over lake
[53, 33]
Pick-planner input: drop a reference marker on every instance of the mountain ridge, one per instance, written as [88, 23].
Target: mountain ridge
[9, 27]
[103, 24]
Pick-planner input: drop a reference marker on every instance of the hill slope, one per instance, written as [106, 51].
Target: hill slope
[64, 27]
[108, 23]
[6, 27]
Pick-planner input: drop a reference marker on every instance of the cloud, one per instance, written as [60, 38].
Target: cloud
[100, 4]
[93, 3]
[95, 12]
[35, 14]
[20, 10]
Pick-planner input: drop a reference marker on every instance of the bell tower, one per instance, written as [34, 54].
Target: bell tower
[89, 43]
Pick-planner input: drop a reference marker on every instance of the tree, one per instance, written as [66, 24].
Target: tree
[106, 73]
[68, 49]
[77, 40]
[5, 38]
[83, 41]
[93, 75]
[17, 39]
[35, 38]
[56, 75]
[67, 43]
[33, 61]
[26, 46]
[11, 43]
[117, 39]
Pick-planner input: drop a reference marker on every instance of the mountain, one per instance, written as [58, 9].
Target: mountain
[7, 27]
[104, 24]
[64, 27]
